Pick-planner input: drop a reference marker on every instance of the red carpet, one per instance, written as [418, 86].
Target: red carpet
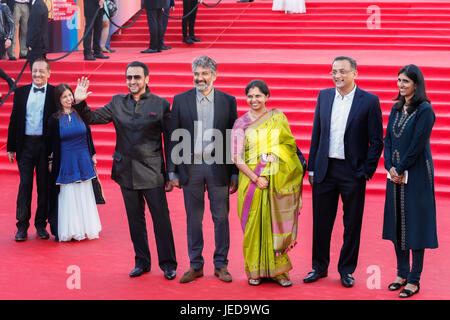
[36, 269]
[293, 54]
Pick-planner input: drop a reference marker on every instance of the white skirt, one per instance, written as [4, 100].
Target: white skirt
[291, 6]
[77, 212]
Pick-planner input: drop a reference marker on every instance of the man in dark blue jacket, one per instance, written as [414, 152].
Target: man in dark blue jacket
[346, 144]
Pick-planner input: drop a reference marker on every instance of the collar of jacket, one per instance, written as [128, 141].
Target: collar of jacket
[143, 96]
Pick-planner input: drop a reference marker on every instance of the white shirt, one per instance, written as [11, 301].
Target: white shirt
[339, 115]
[35, 112]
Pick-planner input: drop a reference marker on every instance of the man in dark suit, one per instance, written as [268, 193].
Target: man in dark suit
[346, 144]
[37, 34]
[154, 9]
[189, 22]
[139, 118]
[199, 124]
[91, 43]
[33, 104]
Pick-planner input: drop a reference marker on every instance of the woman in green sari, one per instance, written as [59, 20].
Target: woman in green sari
[270, 186]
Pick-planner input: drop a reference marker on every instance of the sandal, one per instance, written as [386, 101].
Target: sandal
[283, 280]
[408, 293]
[396, 285]
[254, 282]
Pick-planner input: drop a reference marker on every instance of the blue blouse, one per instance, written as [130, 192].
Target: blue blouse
[76, 161]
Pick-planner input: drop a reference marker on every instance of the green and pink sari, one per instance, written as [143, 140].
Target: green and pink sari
[269, 217]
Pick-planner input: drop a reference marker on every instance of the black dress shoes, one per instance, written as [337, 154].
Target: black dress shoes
[138, 271]
[195, 39]
[89, 57]
[170, 274]
[21, 235]
[347, 280]
[100, 56]
[42, 233]
[188, 40]
[314, 275]
[149, 50]
[164, 47]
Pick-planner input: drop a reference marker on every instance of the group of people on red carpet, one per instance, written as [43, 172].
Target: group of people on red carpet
[49, 133]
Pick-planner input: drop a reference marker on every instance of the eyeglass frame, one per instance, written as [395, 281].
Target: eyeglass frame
[341, 72]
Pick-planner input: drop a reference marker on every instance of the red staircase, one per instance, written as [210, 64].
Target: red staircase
[404, 24]
[292, 53]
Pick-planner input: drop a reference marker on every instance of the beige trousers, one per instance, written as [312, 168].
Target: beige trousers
[20, 16]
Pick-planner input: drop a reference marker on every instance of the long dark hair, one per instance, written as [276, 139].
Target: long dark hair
[59, 90]
[415, 74]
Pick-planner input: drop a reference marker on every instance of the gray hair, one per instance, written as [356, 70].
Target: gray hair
[204, 62]
[350, 60]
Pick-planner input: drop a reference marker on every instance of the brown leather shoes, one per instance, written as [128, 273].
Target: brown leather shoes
[223, 274]
[191, 275]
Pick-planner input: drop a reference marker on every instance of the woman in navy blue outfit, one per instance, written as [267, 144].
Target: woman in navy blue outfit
[73, 210]
[410, 207]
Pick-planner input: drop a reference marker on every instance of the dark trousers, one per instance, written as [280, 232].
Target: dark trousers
[33, 157]
[2, 49]
[339, 180]
[157, 205]
[189, 22]
[201, 175]
[404, 269]
[155, 26]
[165, 22]
[91, 41]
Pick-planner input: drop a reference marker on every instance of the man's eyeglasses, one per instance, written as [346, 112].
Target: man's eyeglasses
[341, 72]
[136, 77]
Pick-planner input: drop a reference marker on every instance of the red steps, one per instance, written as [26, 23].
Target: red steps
[426, 25]
[294, 83]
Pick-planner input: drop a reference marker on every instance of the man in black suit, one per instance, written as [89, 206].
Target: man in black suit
[154, 9]
[33, 104]
[139, 118]
[37, 34]
[189, 22]
[346, 144]
[199, 124]
[91, 43]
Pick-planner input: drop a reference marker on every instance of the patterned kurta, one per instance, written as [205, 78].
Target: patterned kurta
[410, 208]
